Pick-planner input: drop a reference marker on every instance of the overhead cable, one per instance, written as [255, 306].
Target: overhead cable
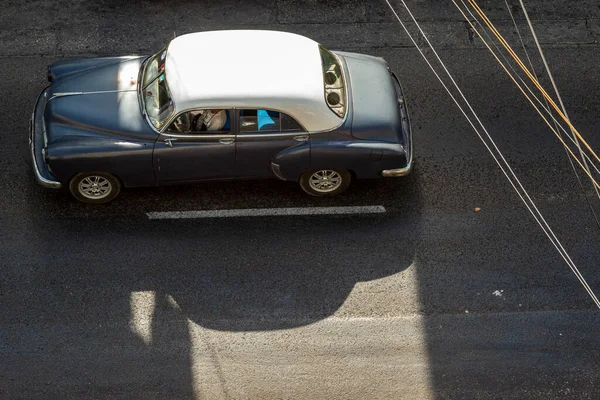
[526, 70]
[557, 244]
[539, 47]
[514, 181]
[530, 101]
[545, 107]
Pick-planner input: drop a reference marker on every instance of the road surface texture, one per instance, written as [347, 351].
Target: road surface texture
[430, 300]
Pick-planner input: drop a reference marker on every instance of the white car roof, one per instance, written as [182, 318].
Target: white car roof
[253, 69]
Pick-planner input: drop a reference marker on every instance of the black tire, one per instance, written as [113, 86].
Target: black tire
[305, 181]
[95, 194]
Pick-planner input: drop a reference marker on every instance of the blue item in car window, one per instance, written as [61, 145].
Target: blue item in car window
[263, 118]
[226, 127]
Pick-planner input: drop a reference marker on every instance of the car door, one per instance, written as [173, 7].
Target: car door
[263, 136]
[190, 151]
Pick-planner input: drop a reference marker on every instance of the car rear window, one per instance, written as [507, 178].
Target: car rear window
[289, 124]
[267, 121]
[333, 82]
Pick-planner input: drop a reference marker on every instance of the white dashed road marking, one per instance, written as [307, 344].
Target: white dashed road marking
[264, 212]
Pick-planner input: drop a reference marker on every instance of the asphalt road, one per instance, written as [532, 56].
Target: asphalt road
[429, 300]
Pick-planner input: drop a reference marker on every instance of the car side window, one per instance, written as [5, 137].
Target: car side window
[267, 121]
[289, 124]
[205, 121]
[181, 124]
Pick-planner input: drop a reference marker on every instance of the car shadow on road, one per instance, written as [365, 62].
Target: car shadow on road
[81, 282]
[392, 193]
[243, 273]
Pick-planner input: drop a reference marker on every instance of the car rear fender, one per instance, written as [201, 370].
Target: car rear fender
[290, 163]
[364, 158]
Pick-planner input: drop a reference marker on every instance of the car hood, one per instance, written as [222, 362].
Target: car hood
[98, 101]
[96, 114]
[118, 75]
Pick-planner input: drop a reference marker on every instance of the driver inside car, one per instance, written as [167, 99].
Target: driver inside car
[210, 120]
[181, 124]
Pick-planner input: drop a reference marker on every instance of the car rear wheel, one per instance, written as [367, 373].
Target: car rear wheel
[95, 187]
[325, 182]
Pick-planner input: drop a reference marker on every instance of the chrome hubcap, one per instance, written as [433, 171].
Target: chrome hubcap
[95, 187]
[325, 181]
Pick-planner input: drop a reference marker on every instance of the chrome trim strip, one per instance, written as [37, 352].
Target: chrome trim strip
[277, 171]
[48, 183]
[65, 94]
[238, 136]
[394, 173]
[197, 136]
[397, 172]
[62, 94]
[267, 134]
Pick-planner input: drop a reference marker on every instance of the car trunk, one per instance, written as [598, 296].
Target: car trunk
[375, 106]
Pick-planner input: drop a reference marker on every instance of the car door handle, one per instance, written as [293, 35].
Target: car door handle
[301, 138]
[169, 141]
[226, 140]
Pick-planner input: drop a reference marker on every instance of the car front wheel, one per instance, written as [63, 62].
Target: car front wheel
[325, 182]
[94, 187]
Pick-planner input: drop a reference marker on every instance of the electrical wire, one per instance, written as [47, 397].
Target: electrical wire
[586, 170]
[524, 68]
[583, 159]
[537, 214]
[529, 99]
[544, 107]
[558, 243]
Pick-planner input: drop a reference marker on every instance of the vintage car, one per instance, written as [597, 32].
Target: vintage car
[220, 105]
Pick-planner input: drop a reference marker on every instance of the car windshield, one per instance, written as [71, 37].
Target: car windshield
[155, 92]
[158, 102]
[155, 66]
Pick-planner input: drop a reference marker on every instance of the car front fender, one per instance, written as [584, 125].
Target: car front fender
[129, 160]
